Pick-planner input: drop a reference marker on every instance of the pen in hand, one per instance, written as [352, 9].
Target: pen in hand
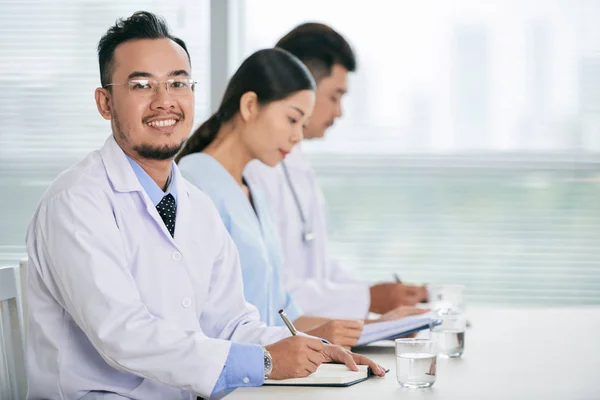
[288, 323]
[293, 329]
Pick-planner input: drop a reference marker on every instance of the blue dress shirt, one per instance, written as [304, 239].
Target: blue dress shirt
[150, 187]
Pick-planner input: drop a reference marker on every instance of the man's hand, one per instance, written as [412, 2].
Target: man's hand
[387, 296]
[299, 356]
[341, 332]
[401, 312]
[339, 355]
[295, 357]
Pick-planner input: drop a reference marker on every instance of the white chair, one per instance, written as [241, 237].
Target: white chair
[23, 298]
[13, 382]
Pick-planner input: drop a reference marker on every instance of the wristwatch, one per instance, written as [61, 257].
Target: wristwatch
[268, 363]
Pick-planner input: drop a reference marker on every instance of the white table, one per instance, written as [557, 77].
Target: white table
[510, 353]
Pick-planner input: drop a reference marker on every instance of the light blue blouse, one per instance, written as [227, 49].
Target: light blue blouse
[254, 233]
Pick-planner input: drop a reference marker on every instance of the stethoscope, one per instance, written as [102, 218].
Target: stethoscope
[307, 233]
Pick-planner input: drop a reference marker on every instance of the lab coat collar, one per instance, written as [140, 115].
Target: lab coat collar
[297, 159]
[120, 173]
[124, 180]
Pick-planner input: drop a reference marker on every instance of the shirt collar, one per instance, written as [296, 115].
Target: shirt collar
[150, 187]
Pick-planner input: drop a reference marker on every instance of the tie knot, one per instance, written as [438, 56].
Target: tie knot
[168, 200]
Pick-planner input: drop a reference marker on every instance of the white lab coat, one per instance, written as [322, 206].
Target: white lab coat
[117, 304]
[320, 286]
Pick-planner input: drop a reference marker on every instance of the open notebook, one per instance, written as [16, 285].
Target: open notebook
[393, 329]
[328, 375]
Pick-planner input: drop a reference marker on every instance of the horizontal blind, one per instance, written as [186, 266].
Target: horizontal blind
[469, 149]
[510, 229]
[48, 74]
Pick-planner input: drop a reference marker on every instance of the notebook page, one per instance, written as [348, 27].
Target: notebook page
[326, 374]
[383, 330]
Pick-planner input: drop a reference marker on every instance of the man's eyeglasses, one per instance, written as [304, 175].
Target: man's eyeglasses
[148, 87]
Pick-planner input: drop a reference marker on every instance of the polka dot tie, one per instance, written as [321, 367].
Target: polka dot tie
[167, 209]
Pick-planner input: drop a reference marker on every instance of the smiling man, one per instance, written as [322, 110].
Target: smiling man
[135, 288]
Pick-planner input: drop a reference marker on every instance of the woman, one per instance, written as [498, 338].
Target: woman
[264, 109]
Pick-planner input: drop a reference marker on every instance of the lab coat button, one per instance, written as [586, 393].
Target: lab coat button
[186, 302]
[176, 256]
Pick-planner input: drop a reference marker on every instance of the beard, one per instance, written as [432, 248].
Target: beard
[158, 152]
[147, 151]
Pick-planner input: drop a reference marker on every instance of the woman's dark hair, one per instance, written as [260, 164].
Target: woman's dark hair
[273, 74]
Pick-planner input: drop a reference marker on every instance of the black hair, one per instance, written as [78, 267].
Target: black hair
[141, 25]
[273, 74]
[319, 47]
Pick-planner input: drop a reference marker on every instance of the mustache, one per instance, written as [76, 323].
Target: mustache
[179, 116]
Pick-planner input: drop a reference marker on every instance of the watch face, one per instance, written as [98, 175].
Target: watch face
[268, 364]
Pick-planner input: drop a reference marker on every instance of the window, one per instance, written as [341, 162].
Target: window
[470, 144]
[48, 73]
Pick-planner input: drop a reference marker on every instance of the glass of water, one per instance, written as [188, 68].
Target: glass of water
[448, 332]
[446, 299]
[416, 362]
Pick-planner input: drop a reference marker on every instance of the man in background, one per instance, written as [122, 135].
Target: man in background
[318, 283]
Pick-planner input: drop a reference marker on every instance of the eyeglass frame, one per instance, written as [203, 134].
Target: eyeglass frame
[191, 82]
